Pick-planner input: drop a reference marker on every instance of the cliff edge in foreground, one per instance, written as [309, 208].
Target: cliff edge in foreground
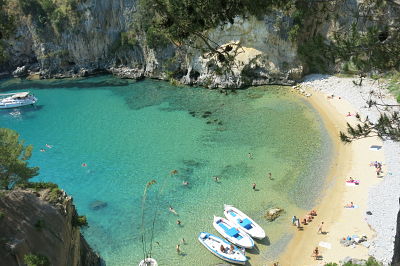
[41, 223]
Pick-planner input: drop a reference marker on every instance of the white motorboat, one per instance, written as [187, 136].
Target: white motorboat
[12, 100]
[233, 234]
[222, 248]
[243, 221]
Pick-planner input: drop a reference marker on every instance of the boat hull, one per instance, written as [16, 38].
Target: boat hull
[15, 104]
[213, 243]
[240, 238]
[255, 231]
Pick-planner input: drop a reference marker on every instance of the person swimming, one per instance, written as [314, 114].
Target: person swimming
[49, 146]
[172, 210]
[84, 164]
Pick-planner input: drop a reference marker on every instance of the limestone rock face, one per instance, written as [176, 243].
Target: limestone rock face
[30, 224]
[264, 53]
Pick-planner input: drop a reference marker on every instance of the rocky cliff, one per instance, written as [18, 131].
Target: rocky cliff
[91, 43]
[56, 39]
[396, 253]
[41, 223]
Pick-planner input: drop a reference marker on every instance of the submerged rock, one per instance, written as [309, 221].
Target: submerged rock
[97, 205]
[272, 214]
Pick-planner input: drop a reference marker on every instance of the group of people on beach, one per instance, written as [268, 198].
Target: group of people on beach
[307, 219]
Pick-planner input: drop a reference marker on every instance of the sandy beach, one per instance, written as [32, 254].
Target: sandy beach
[349, 160]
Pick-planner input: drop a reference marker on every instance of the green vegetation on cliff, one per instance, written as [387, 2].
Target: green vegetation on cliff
[14, 157]
[36, 260]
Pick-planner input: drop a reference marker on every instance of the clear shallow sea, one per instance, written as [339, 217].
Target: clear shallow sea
[129, 133]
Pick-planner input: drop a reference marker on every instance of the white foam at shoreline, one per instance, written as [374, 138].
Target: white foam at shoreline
[383, 199]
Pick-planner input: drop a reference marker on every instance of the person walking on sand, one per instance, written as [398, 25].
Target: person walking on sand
[320, 228]
[254, 186]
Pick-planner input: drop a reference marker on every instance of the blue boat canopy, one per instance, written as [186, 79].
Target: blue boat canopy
[246, 223]
[232, 232]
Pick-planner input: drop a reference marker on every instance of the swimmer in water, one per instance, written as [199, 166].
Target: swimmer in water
[84, 164]
[185, 183]
[172, 210]
[42, 150]
[49, 146]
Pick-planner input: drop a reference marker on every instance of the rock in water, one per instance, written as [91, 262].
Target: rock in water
[97, 205]
[272, 214]
[20, 72]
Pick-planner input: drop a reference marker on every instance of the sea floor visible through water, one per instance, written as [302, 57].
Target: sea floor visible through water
[110, 137]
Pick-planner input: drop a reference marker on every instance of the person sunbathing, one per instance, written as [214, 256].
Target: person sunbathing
[304, 221]
[309, 218]
[349, 205]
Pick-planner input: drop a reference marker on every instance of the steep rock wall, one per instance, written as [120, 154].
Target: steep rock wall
[396, 253]
[30, 224]
[91, 45]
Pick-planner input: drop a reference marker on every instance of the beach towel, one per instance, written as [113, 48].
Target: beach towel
[325, 245]
[351, 184]
[375, 148]
[354, 207]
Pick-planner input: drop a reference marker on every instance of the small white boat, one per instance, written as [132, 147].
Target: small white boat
[148, 262]
[222, 248]
[243, 221]
[12, 100]
[233, 234]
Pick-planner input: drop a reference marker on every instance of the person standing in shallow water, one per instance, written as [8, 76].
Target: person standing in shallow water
[254, 186]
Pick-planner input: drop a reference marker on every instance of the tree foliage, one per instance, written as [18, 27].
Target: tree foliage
[185, 22]
[36, 260]
[14, 158]
[386, 127]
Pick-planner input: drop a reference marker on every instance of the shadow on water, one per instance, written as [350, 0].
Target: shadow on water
[265, 241]
[254, 250]
[94, 82]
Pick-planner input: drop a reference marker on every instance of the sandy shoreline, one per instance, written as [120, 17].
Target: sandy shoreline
[349, 160]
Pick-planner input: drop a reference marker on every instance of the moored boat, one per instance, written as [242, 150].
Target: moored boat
[234, 235]
[148, 262]
[243, 221]
[13, 100]
[222, 248]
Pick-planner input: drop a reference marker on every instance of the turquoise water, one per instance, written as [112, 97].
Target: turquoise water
[129, 133]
